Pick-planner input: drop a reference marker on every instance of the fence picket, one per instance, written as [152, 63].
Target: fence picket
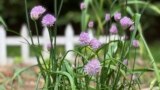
[3, 46]
[24, 44]
[69, 40]
[46, 42]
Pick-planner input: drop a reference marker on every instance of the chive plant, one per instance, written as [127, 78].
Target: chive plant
[97, 65]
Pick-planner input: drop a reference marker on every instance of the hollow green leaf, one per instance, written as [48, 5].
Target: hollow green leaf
[71, 80]
[68, 67]
[111, 49]
[2, 21]
[143, 3]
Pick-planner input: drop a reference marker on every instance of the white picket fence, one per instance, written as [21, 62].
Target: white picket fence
[69, 40]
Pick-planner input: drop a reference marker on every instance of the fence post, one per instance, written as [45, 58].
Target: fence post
[46, 42]
[24, 45]
[69, 41]
[3, 46]
[90, 33]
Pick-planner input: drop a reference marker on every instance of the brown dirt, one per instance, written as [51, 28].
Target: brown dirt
[25, 81]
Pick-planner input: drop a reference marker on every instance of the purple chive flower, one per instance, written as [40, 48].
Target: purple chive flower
[126, 22]
[93, 67]
[90, 24]
[125, 62]
[95, 44]
[132, 28]
[135, 43]
[48, 20]
[84, 38]
[107, 17]
[36, 12]
[117, 16]
[113, 29]
[82, 5]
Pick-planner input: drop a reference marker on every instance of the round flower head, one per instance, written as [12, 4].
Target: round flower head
[131, 28]
[126, 22]
[113, 29]
[107, 17]
[95, 44]
[91, 24]
[36, 12]
[92, 67]
[117, 16]
[48, 20]
[135, 43]
[82, 5]
[84, 38]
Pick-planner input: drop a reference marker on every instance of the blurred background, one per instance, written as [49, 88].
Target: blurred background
[13, 13]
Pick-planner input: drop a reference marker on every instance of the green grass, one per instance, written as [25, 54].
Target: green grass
[15, 51]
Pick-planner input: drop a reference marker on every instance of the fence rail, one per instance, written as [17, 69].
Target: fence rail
[68, 40]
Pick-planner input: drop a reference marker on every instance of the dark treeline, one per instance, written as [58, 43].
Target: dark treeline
[14, 15]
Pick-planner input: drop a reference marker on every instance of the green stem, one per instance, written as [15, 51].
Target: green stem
[119, 67]
[51, 49]
[126, 2]
[55, 35]
[38, 80]
[60, 7]
[100, 25]
[70, 78]
[28, 23]
[150, 55]
[132, 70]
[101, 3]
[78, 53]
[97, 82]
[86, 82]
[136, 5]
[36, 27]
[51, 63]
[30, 35]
